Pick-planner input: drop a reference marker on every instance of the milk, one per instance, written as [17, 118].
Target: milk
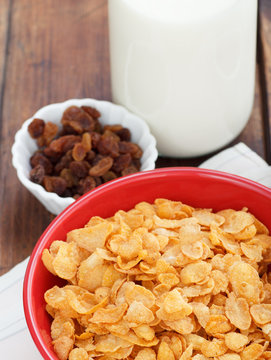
[187, 67]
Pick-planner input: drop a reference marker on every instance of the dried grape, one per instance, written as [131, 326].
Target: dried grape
[82, 154]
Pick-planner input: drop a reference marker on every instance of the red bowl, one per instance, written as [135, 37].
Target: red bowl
[196, 187]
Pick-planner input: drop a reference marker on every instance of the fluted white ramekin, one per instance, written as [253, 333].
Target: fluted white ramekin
[24, 146]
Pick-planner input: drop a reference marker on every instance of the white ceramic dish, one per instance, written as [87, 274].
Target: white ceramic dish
[24, 146]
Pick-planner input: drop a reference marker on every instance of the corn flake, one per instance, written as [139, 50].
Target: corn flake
[90, 238]
[78, 354]
[162, 281]
[214, 348]
[141, 294]
[109, 315]
[183, 326]
[237, 311]
[252, 352]
[245, 281]
[206, 217]
[261, 313]
[195, 272]
[236, 341]
[63, 346]
[164, 352]
[146, 354]
[138, 313]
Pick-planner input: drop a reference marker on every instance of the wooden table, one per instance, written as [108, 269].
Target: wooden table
[51, 51]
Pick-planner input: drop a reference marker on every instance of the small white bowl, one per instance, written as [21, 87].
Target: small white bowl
[24, 146]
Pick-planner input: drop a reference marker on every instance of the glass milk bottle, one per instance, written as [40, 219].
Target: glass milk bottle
[185, 66]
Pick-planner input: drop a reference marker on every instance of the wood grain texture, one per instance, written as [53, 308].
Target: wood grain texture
[252, 135]
[265, 48]
[56, 51]
[5, 11]
[51, 51]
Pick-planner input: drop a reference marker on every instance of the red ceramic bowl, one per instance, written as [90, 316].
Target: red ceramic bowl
[196, 187]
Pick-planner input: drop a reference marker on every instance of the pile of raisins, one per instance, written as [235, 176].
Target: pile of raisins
[83, 154]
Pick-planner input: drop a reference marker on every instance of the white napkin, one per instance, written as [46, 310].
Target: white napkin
[15, 340]
[241, 160]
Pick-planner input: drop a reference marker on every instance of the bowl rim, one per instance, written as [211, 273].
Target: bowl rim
[37, 188]
[28, 310]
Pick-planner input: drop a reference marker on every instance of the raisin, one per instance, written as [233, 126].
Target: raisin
[86, 185]
[101, 167]
[113, 128]
[91, 111]
[52, 155]
[97, 158]
[35, 153]
[83, 155]
[80, 188]
[98, 126]
[138, 153]
[55, 184]
[108, 146]
[79, 168]
[86, 122]
[136, 163]
[109, 175]
[39, 159]
[121, 162]
[37, 174]
[76, 128]
[77, 119]
[64, 162]
[131, 148]
[36, 128]
[67, 175]
[78, 152]
[67, 193]
[95, 138]
[41, 141]
[49, 133]
[129, 170]
[86, 141]
[124, 134]
[64, 143]
[68, 130]
[90, 156]
[111, 133]
[98, 180]
[59, 167]
[125, 147]
[71, 113]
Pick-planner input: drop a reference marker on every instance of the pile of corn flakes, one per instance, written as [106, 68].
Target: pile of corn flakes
[162, 281]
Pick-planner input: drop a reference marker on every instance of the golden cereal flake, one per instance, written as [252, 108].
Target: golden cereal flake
[162, 281]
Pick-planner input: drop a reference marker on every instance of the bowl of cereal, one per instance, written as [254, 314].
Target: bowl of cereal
[170, 263]
[67, 149]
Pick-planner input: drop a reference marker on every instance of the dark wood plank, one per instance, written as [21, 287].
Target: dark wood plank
[252, 135]
[5, 11]
[56, 51]
[265, 47]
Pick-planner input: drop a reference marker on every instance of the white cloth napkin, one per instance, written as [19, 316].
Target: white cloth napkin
[241, 160]
[15, 340]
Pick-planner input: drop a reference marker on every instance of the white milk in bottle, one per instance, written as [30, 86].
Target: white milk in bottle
[187, 67]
